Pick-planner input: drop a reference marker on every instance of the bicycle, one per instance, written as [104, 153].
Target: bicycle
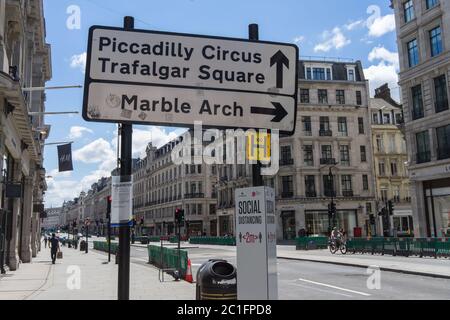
[334, 246]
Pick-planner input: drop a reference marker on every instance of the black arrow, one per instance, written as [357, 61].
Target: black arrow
[279, 59]
[279, 112]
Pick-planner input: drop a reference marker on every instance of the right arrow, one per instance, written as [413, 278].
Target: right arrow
[279, 59]
[279, 112]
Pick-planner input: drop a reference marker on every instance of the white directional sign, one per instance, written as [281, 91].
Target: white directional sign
[171, 79]
[256, 244]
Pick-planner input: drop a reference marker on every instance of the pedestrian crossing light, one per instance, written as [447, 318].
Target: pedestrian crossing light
[108, 206]
[391, 207]
[179, 216]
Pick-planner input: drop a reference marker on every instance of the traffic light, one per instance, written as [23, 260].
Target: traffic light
[179, 216]
[391, 207]
[383, 212]
[108, 206]
[372, 219]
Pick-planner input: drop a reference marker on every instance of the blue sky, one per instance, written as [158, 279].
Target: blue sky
[356, 29]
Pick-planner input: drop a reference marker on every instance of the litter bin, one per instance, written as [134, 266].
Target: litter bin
[216, 280]
[83, 245]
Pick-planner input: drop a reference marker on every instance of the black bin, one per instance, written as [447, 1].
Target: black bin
[216, 280]
[83, 245]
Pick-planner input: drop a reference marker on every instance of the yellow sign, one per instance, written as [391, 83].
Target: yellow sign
[258, 146]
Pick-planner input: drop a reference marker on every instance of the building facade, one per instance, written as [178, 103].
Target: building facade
[390, 165]
[52, 220]
[24, 63]
[160, 187]
[423, 38]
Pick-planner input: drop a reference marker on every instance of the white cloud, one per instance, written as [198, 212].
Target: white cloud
[77, 132]
[381, 74]
[381, 53]
[377, 24]
[95, 152]
[78, 61]
[59, 191]
[299, 39]
[334, 39]
[354, 25]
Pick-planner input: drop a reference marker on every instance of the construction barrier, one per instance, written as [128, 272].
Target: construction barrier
[420, 247]
[103, 246]
[168, 259]
[311, 243]
[222, 241]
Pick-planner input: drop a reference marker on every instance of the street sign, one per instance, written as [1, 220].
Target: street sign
[256, 244]
[172, 79]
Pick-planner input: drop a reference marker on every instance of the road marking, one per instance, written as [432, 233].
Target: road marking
[334, 287]
[142, 250]
[196, 264]
[321, 290]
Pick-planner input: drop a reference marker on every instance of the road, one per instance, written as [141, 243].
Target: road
[301, 280]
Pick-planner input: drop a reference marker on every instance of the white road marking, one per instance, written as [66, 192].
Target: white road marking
[196, 264]
[142, 250]
[321, 290]
[335, 287]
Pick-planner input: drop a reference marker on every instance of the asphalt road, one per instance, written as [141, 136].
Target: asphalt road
[300, 280]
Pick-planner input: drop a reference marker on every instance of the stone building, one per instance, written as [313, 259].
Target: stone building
[390, 164]
[160, 187]
[52, 220]
[24, 63]
[423, 38]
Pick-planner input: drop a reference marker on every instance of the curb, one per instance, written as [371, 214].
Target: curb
[410, 272]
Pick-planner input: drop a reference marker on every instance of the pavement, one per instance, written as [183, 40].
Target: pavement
[41, 280]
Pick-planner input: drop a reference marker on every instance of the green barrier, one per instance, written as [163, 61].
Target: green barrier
[307, 243]
[168, 258]
[222, 241]
[103, 246]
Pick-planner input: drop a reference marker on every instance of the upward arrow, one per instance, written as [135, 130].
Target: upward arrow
[279, 59]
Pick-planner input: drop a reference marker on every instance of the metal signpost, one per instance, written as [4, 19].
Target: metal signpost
[256, 244]
[172, 79]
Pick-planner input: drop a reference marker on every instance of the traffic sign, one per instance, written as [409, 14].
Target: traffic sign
[150, 77]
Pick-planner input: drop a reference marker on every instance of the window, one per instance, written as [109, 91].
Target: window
[346, 181]
[342, 126]
[394, 171]
[365, 181]
[436, 41]
[340, 96]
[308, 155]
[286, 153]
[287, 186]
[310, 186]
[323, 96]
[307, 125]
[308, 74]
[380, 143]
[304, 95]
[361, 125]
[375, 118]
[324, 124]
[413, 53]
[345, 155]
[351, 75]
[363, 153]
[319, 74]
[440, 89]
[423, 147]
[384, 195]
[431, 3]
[329, 74]
[328, 185]
[417, 102]
[199, 168]
[386, 118]
[381, 168]
[358, 98]
[408, 10]
[326, 152]
[443, 139]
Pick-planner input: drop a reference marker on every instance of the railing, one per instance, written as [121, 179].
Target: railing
[329, 161]
[286, 195]
[417, 114]
[423, 157]
[311, 194]
[443, 154]
[307, 133]
[329, 193]
[347, 193]
[194, 195]
[441, 106]
[286, 162]
[325, 133]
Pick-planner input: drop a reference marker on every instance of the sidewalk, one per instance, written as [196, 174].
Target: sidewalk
[40, 280]
[431, 267]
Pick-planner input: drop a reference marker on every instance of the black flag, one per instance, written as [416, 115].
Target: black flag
[65, 158]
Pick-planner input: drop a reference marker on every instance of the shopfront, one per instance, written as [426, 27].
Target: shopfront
[6, 209]
[288, 225]
[195, 228]
[317, 222]
[437, 198]
[225, 225]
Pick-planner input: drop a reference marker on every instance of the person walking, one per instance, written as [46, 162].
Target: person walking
[45, 241]
[54, 246]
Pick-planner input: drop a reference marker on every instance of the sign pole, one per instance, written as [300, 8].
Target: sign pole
[125, 173]
[253, 34]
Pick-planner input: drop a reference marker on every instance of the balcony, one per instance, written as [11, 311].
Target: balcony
[311, 194]
[325, 133]
[423, 157]
[329, 193]
[307, 133]
[286, 162]
[194, 195]
[443, 154]
[347, 193]
[287, 195]
[328, 161]
[441, 106]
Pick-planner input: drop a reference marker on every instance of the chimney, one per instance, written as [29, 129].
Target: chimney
[384, 93]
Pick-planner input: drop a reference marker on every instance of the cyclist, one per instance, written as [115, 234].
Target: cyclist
[335, 236]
